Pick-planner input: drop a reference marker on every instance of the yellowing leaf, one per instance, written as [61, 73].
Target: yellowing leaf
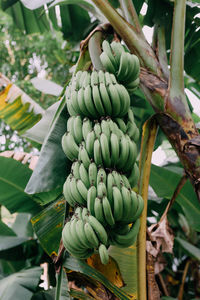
[17, 109]
[110, 271]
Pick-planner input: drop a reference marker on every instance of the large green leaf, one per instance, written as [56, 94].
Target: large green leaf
[13, 179]
[164, 182]
[28, 21]
[191, 249]
[48, 226]
[53, 166]
[80, 266]
[126, 259]
[20, 285]
[75, 20]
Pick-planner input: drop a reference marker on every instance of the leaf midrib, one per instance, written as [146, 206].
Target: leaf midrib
[14, 185]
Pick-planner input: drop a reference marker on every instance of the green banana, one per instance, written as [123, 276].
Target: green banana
[101, 75]
[75, 169]
[67, 192]
[101, 189]
[90, 234]
[82, 190]
[107, 49]
[94, 78]
[84, 157]
[121, 124]
[107, 63]
[103, 252]
[117, 203]
[92, 171]
[105, 99]
[91, 195]
[123, 66]
[126, 196]
[114, 145]
[77, 129]
[84, 175]
[105, 151]
[110, 183]
[98, 210]
[81, 103]
[89, 102]
[90, 143]
[107, 212]
[97, 100]
[126, 240]
[124, 152]
[99, 229]
[75, 191]
[105, 128]
[97, 129]
[101, 176]
[117, 49]
[97, 153]
[86, 127]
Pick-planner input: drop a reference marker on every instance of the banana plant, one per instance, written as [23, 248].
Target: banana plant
[160, 96]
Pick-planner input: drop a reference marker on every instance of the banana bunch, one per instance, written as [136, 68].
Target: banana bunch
[101, 142]
[84, 234]
[97, 94]
[124, 65]
[112, 205]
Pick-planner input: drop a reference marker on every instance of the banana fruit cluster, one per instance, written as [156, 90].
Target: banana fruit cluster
[83, 234]
[124, 65]
[96, 95]
[101, 142]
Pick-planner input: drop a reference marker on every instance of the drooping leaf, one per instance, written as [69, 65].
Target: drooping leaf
[28, 21]
[47, 86]
[75, 20]
[20, 285]
[87, 5]
[164, 183]
[48, 226]
[191, 249]
[17, 109]
[80, 266]
[39, 131]
[53, 166]
[13, 179]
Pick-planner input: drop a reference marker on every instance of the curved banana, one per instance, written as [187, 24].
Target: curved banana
[108, 212]
[91, 195]
[97, 153]
[98, 210]
[103, 252]
[84, 175]
[117, 203]
[107, 49]
[90, 143]
[99, 229]
[105, 151]
[86, 127]
[92, 171]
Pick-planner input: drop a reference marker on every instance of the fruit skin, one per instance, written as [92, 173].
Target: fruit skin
[103, 252]
[101, 141]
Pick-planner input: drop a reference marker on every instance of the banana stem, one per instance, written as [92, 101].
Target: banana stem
[94, 47]
[148, 140]
[130, 14]
[135, 42]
